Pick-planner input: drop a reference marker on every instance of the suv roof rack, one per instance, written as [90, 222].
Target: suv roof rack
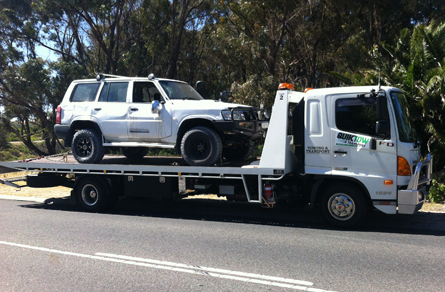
[101, 76]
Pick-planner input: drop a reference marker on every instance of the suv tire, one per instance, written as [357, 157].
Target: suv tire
[134, 152]
[201, 146]
[87, 146]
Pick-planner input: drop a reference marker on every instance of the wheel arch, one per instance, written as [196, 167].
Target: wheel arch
[102, 179]
[79, 125]
[322, 184]
[189, 124]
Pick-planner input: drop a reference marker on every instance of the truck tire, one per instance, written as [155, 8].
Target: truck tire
[201, 146]
[239, 151]
[343, 205]
[87, 146]
[134, 152]
[94, 195]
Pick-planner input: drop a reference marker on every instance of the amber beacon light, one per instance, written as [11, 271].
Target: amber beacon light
[284, 86]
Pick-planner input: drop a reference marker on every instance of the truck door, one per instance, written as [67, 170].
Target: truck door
[353, 154]
[144, 123]
[317, 136]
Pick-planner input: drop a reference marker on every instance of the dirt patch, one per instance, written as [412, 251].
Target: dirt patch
[55, 192]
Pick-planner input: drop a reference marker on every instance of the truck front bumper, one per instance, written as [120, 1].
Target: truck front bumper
[410, 200]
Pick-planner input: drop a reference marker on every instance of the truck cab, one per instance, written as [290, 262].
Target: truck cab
[353, 140]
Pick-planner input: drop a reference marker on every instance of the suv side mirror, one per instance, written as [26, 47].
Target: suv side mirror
[381, 125]
[155, 107]
[199, 86]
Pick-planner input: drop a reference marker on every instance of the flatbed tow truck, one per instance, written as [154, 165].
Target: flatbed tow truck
[316, 152]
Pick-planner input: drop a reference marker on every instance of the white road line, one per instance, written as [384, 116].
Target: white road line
[183, 268]
[249, 275]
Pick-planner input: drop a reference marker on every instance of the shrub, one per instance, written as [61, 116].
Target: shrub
[437, 190]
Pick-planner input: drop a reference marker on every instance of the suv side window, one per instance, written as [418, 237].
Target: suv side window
[356, 115]
[114, 92]
[145, 92]
[85, 92]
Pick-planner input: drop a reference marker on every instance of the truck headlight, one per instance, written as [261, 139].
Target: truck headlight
[227, 115]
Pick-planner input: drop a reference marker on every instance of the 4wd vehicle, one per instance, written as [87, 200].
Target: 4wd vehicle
[136, 113]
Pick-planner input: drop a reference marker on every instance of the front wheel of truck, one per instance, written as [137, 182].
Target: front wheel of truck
[343, 205]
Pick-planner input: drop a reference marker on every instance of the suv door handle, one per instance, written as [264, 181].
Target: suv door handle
[340, 152]
[134, 109]
[97, 109]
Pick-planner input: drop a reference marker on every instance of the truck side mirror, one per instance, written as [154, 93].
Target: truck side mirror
[382, 125]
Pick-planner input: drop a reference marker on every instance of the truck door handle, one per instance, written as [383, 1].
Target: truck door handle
[134, 109]
[97, 109]
[340, 152]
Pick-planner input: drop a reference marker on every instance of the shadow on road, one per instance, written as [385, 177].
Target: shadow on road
[243, 213]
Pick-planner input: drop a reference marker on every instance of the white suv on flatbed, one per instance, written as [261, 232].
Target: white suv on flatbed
[137, 113]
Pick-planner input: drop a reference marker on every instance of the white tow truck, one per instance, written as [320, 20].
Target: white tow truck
[342, 150]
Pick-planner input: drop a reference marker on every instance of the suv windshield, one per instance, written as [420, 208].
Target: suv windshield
[178, 90]
[400, 108]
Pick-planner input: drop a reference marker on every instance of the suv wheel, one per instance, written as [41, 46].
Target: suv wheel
[87, 146]
[134, 152]
[201, 146]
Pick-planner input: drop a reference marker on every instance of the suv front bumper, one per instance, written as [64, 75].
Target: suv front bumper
[252, 130]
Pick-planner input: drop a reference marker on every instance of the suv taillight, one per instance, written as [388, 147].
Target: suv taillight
[59, 115]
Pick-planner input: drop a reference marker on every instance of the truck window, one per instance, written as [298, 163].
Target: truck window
[356, 115]
[144, 92]
[85, 92]
[114, 92]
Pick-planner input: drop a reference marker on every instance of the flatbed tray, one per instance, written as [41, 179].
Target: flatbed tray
[149, 165]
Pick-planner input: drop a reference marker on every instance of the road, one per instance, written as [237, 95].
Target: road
[195, 245]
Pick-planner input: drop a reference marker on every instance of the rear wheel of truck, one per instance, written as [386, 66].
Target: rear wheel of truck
[94, 195]
[343, 205]
[134, 152]
[87, 146]
[201, 146]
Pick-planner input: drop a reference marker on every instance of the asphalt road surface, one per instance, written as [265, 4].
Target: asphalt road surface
[195, 245]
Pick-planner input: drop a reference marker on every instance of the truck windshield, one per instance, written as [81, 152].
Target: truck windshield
[179, 90]
[401, 111]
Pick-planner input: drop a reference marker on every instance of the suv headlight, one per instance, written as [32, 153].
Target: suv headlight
[227, 115]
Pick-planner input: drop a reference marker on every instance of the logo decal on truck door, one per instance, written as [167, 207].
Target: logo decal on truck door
[317, 150]
[345, 139]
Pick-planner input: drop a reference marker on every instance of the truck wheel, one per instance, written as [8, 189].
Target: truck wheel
[201, 146]
[87, 146]
[93, 194]
[134, 152]
[239, 151]
[343, 206]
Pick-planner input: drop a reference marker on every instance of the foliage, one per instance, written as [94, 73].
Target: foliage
[242, 49]
[437, 190]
